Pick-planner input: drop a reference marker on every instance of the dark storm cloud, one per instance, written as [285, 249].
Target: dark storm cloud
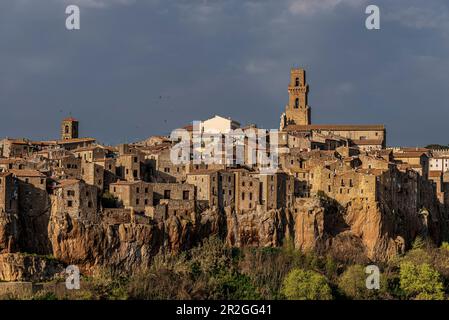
[143, 67]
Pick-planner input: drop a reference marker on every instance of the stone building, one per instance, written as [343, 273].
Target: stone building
[16, 163]
[8, 193]
[135, 195]
[128, 163]
[67, 167]
[109, 173]
[75, 143]
[297, 111]
[69, 128]
[277, 190]
[90, 154]
[75, 198]
[417, 160]
[93, 174]
[296, 120]
[172, 191]
[214, 186]
[247, 191]
[32, 190]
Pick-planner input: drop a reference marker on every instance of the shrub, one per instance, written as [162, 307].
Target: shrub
[306, 285]
[352, 284]
[108, 200]
[421, 282]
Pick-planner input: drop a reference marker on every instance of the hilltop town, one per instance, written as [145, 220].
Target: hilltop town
[334, 187]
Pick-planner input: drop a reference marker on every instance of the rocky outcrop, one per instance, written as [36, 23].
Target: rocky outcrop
[357, 230]
[24, 267]
[9, 232]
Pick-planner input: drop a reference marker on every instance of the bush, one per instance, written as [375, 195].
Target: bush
[306, 285]
[445, 246]
[108, 200]
[352, 284]
[421, 282]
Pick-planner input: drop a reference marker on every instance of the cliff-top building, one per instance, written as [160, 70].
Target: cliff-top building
[297, 119]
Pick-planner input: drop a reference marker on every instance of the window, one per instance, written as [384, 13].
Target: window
[137, 189]
[146, 190]
[243, 195]
[243, 183]
[185, 195]
[146, 201]
[70, 203]
[137, 202]
[70, 193]
[297, 82]
[296, 103]
[89, 204]
[135, 159]
[166, 194]
[251, 184]
[135, 173]
[66, 129]
[42, 181]
[250, 196]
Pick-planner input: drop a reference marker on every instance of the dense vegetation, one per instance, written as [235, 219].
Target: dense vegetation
[214, 271]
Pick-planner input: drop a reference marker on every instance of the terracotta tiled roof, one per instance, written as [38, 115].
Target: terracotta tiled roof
[125, 183]
[409, 154]
[10, 160]
[4, 174]
[367, 142]
[70, 119]
[66, 183]
[435, 174]
[76, 140]
[335, 127]
[203, 171]
[27, 173]
[91, 148]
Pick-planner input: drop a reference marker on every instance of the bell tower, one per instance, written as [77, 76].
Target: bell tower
[69, 128]
[297, 112]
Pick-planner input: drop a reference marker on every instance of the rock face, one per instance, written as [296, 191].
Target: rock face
[22, 267]
[120, 240]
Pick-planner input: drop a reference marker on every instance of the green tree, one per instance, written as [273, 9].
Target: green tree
[352, 284]
[300, 284]
[421, 282]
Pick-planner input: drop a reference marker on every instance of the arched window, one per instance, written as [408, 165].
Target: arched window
[296, 103]
[66, 129]
[297, 82]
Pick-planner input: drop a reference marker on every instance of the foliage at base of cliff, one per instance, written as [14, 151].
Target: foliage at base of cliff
[214, 271]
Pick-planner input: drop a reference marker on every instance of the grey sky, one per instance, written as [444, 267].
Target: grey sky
[143, 67]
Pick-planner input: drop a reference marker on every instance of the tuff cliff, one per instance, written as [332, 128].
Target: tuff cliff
[123, 241]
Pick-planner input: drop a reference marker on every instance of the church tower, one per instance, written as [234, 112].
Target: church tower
[297, 112]
[69, 128]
